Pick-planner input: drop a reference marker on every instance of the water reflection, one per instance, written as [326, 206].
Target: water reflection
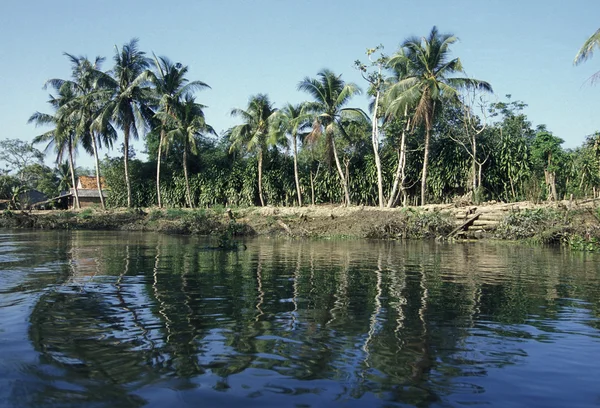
[131, 319]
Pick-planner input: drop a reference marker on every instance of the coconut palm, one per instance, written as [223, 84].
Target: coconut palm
[428, 84]
[188, 123]
[92, 92]
[62, 136]
[587, 50]
[330, 94]
[256, 134]
[291, 120]
[129, 108]
[170, 86]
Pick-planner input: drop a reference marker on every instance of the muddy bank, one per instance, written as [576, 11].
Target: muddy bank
[547, 223]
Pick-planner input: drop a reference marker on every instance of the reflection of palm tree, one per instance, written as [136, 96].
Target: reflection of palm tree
[261, 293]
[295, 288]
[376, 309]
[341, 293]
[397, 286]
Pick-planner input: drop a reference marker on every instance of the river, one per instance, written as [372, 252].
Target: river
[118, 319]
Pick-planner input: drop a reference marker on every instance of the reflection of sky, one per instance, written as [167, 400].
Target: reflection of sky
[530, 366]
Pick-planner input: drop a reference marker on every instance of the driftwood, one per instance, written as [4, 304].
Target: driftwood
[464, 225]
[285, 226]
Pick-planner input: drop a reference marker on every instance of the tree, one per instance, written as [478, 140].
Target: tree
[512, 155]
[393, 121]
[170, 87]
[471, 133]
[129, 108]
[256, 134]
[62, 137]
[18, 154]
[292, 119]
[546, 151]
[428, 83]
[587, 51]
[330, 94]
[91, 88]
[189, 123]
[376, 81]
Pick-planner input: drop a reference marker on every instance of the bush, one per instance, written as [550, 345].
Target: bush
[543, 224]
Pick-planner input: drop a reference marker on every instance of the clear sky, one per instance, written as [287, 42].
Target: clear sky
[522, 47]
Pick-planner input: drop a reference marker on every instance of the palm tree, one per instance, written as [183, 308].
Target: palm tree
[587, 50]
[188, 123]
[129, 108]
[330, 94]
[292, 119]
[400, 71]
[62, 137]
[428, 83]
[63, 174]
[170, 86]
[90, 87]
[256, 133]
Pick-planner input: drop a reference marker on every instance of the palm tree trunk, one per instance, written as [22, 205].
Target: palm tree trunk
[425, 159]
[375, 141]
[187, 181]
[126, 162]
[260, 193]
[340, 173]
[400, 176]
[474, 150]
[160, 143]
[296, 170]
[97, 163]
[72, 168]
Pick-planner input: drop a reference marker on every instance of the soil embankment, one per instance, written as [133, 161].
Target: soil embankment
[545, 222]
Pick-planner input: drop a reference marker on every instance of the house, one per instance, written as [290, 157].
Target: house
[87, 190]
[31, 197]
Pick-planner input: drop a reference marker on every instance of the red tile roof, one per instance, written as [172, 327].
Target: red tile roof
[89, 183]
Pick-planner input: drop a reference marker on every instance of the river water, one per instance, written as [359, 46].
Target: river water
[105, 319]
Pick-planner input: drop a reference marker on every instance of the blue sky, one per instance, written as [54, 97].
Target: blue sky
[524, 48]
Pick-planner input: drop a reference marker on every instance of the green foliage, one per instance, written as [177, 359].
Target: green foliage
[543, 224]
[414, 224]
[579, 243]
[7, 184]
[17, 154]
[175, 213]
[85, 214]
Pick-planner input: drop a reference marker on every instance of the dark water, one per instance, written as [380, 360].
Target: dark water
[128, 320]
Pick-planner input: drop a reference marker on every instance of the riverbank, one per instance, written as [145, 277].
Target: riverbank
[546, 223]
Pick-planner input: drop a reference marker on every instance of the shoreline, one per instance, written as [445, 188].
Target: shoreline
[556, 223]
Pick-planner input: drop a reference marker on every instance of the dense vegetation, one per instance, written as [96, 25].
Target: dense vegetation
[430, 136]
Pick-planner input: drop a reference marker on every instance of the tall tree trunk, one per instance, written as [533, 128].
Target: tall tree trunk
[260, 193]
[126, 130]
[296, 170]
[158, 160]
[340, 173]
[474, 166]
[312, 188]
[400, 175]
[312, 183]
[97, 163]
[425, 159]
[188, 193]
[375, 141]
[72, 168]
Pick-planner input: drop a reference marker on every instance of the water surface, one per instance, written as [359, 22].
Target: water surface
[131, 319]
